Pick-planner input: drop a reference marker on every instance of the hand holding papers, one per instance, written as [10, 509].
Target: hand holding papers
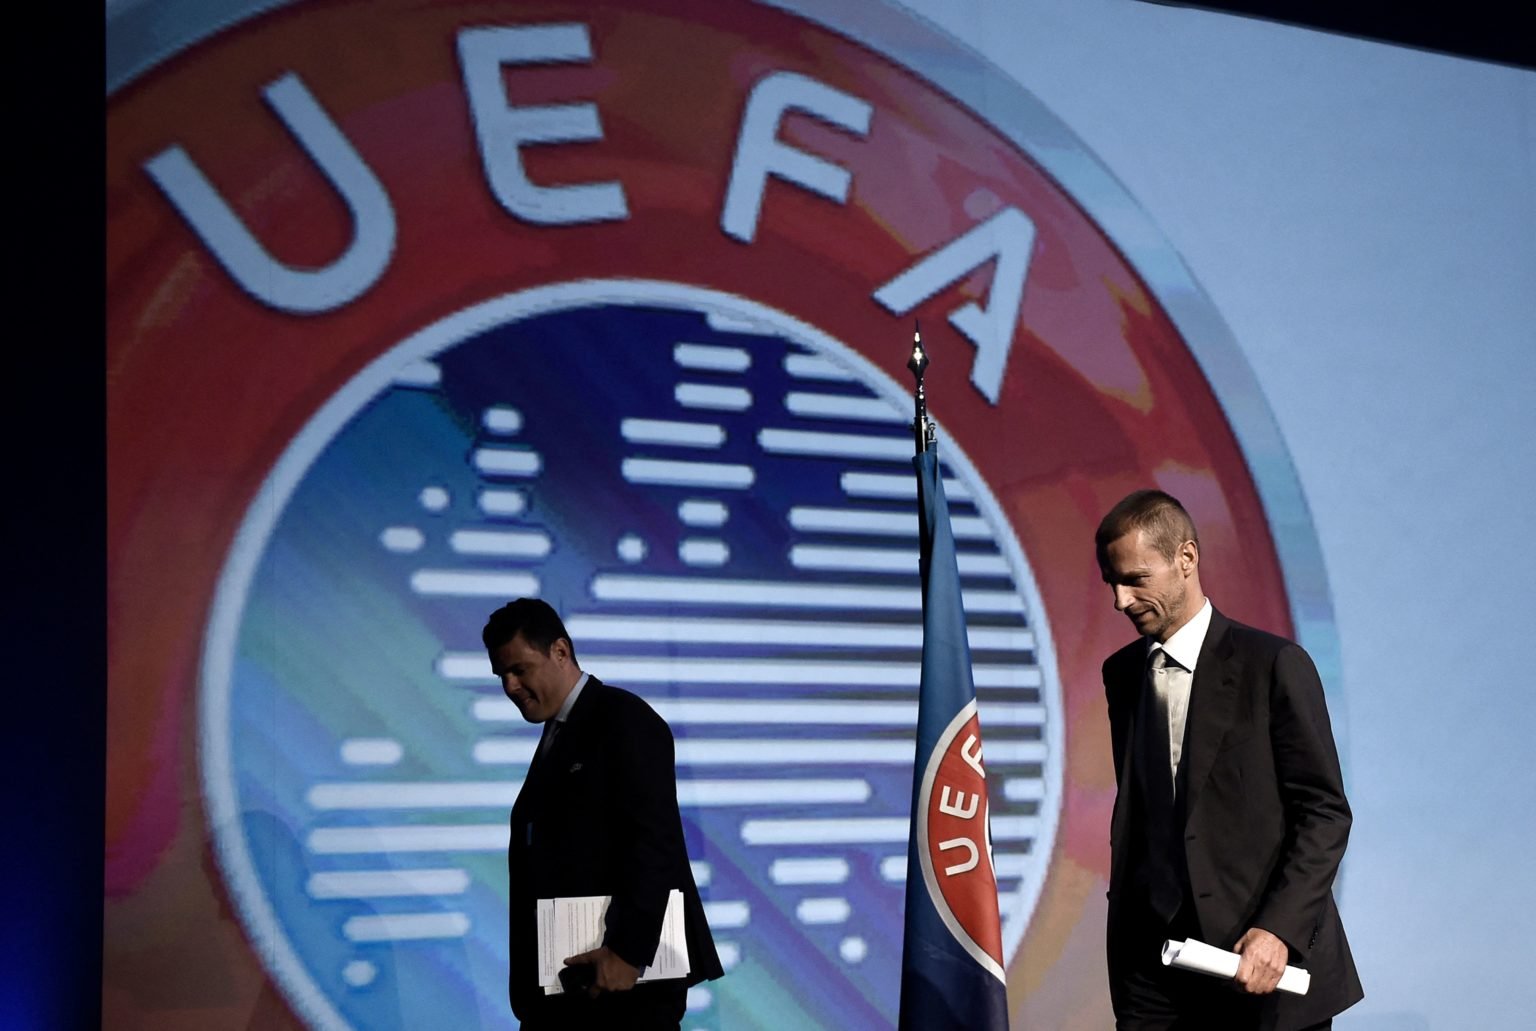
[569, 926]
[1207, 959]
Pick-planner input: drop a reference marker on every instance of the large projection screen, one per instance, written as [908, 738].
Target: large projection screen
[412, 309]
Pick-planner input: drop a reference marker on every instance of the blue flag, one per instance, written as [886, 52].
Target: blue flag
[952, 954]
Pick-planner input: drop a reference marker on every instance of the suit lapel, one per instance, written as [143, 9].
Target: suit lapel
[1129, 680]
[1212, 696]
[575, 726]
[543, 766]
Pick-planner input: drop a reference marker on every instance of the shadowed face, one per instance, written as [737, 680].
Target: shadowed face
[536, 682]
[1157, 595]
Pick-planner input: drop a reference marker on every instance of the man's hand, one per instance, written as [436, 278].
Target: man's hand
[1263, 961]
[611, 973]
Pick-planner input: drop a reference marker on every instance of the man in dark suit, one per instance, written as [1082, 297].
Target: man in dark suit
[597, 815]
[1230, 818]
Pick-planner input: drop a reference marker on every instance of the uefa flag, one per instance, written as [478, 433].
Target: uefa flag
[952, 954]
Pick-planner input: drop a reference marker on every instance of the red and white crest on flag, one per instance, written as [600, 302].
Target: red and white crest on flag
[955, 843]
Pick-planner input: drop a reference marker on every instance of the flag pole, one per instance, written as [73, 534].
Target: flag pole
[952, 973]
[922, 426]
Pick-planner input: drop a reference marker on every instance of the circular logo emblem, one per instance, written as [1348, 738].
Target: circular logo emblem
[503, 303]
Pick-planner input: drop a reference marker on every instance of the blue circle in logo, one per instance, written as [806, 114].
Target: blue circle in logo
[720, 500]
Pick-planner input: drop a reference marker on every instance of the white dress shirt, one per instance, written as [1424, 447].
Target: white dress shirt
[548, 737]
[1173, 681]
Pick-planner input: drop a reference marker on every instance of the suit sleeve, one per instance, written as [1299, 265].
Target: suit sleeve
[1316, 813]
[644, 809]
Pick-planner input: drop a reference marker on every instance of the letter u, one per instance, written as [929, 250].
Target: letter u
[284, 287]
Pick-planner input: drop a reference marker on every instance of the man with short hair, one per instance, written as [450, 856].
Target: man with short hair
[1230, 819]
[597, 815]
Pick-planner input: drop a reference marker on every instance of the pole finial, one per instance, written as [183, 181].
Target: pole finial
[922, 427]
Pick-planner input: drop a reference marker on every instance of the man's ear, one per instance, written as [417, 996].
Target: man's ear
[1189, 557]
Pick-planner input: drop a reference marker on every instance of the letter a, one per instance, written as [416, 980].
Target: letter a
[1008, 237]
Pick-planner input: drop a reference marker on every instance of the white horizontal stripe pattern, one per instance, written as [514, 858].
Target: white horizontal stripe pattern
[402, 539]
[811, 519]
[715, 398]
[842, 406]
[834, 445]
[680, 434]
[807, 366]
[702, 513]
[688, 474]
[823, 911]
[727, 914]
[371, 751]
[699, 551]
[794, 791]
[413, 795]
[405, 927]
[635, 670]
[814, 870]
[891, 485]
[466, 584]
[503, 419]
[502, 502]
[504, 751]
[413, 838]
[530, 544]
[786, 594]
[802, 712]
[887, 560]
[380, 884]
[1022, 789]
[711, 357]
[805, 633]
[869, 830]
[1012, 864]
[508, 462]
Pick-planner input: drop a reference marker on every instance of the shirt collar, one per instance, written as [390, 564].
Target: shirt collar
[1184, 646]
[570, 699]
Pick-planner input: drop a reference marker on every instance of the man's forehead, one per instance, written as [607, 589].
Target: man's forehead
[517, 649]
[1128, 545]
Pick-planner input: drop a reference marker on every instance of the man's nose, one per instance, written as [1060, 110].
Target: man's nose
[1122, 598]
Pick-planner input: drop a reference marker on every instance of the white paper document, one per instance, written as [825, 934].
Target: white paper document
[574, 925]
[1208, 959]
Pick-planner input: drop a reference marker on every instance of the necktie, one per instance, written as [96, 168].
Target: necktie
[1164, 877]
[548, 740]
[1162, 671]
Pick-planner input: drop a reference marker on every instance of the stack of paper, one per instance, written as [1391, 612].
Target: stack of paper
[574, 925]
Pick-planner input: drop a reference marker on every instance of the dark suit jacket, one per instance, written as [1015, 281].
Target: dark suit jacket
[1265, 816]
[597, 815]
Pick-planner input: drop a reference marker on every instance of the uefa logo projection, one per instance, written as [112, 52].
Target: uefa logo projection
[608, 303]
